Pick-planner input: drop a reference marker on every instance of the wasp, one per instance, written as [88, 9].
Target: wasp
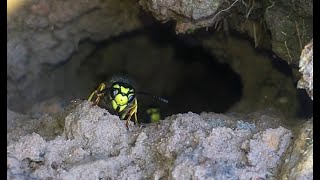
[119, 95]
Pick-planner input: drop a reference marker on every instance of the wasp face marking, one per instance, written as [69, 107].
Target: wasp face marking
[118, 107]
[121, 95]
[121, 100]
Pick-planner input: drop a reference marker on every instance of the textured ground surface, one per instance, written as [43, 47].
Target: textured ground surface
[95, 145]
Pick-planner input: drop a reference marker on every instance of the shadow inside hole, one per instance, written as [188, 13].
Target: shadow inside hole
[305, 109]
[206, 84]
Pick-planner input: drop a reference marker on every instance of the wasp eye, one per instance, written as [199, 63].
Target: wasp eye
[114, 92]
[130, 97]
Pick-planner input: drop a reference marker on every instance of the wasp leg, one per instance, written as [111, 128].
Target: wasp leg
[92, 94]
[128, 120]
[135, 118]
[136, 110]
[98, 93]
[127, 125]
[132, 111]
[98, 98]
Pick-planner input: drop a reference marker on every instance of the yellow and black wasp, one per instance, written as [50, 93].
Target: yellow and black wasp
[119, 95]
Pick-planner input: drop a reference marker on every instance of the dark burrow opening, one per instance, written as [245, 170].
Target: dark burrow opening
[176, 67]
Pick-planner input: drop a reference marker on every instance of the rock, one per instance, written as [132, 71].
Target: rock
[292, 30]
[34, 21]
[194, 10]
[306, 68]
[93, 128]
[267, 147]
[42, 41]
[193, 14]
[41, 8]
[17, 125]
[16, 58]
[299, 159]
[303, 7]
[48, 125]
[30, 146]
[65, 11]
[96, 144]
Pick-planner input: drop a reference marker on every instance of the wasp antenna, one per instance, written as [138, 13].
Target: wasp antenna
[155, 97]
[161, 99]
